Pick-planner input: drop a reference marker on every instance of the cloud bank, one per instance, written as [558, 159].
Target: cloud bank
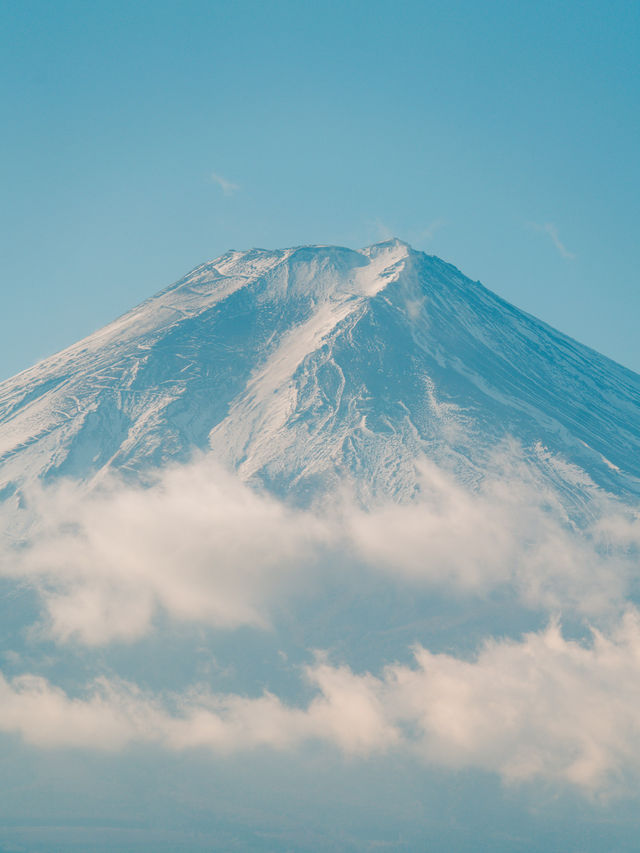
[542, 707]
[201, 546]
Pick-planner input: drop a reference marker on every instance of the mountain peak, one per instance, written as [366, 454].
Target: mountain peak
[391, 242]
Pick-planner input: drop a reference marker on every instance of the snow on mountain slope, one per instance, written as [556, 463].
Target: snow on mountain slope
[307, 367]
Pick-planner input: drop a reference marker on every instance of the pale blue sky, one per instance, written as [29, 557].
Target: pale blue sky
[141, 139]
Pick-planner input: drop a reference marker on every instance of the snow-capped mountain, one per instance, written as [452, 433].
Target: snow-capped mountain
[304, 367]
[428, 562]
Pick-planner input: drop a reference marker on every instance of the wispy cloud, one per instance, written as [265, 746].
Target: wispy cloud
[383, 230]
[551, 231]
[227, 187]
[428, 233]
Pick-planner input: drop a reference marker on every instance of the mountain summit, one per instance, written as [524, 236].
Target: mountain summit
[305, 367]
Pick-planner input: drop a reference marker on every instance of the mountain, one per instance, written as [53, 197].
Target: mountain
[411, 621]
[307, 367]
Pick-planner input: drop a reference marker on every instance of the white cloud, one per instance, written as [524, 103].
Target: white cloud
[551, 231]
[544, 706]
[203, 547]
[227, 187]
[512, 531]
[111, 714]
[198, 544]
[541, 707]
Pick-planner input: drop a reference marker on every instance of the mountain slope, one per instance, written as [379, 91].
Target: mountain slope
[305, 367]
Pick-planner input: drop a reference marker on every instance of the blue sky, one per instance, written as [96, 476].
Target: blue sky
[141, 139]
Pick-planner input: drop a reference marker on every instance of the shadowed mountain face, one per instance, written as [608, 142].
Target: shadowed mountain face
[307, 367]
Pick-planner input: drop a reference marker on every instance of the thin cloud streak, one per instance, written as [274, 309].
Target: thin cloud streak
[551, 231]
[384, 231]
[227, 187]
